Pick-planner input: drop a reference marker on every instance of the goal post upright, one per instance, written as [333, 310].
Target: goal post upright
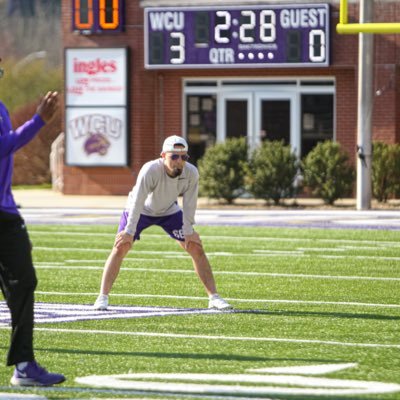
[343, 14]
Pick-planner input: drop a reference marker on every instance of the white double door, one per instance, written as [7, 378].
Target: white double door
[260, 115]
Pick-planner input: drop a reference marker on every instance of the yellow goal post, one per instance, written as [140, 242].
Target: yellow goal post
[344, 27]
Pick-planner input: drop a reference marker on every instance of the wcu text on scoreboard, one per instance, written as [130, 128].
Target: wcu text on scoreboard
[238, 36]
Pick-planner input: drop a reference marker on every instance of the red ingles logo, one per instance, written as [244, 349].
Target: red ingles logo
[94, 67]
[97, 132]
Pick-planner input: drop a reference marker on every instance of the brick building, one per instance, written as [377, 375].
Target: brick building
[299, 100]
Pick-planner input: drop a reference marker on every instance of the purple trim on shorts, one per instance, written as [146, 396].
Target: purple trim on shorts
[172, 224]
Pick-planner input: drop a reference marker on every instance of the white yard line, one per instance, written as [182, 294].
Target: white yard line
[125, 392]
[281, 301]
[255, 253]
[213, 337]
[235, 273]
[239, 238]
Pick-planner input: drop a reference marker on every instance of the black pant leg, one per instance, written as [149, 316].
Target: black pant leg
[18, 282]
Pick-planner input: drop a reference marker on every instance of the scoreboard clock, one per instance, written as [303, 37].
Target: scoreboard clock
[237, 36]
[97, 16]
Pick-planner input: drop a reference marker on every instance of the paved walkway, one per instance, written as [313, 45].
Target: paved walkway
[47, 198]
[48, 207]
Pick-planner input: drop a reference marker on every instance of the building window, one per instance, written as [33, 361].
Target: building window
[316, 120]
[201, 124]
[236, 118]
[275, 120]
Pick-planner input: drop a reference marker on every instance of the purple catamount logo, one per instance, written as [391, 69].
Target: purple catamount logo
[96, 133]
[97, 143]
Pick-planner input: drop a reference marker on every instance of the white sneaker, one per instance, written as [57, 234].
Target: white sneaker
[101, 302]
[217, 302]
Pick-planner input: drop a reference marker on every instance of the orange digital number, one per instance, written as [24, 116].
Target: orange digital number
[83, 14]
[109, 8]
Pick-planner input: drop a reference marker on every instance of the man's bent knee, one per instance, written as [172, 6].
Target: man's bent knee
[122, 250]
[195, 249]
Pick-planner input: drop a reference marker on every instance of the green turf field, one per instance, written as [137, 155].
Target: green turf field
[324, 301]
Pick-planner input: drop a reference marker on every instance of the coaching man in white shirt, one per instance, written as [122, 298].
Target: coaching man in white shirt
[153, 201]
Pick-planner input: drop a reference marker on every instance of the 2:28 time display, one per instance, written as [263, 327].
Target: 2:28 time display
[266, 26]
[277, 35]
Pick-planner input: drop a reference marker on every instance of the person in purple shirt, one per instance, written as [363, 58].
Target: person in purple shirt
[17, 274]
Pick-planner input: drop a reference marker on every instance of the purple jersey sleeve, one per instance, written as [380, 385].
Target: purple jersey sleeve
[11, 141]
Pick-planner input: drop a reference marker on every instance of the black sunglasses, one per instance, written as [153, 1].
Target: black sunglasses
[184, 157]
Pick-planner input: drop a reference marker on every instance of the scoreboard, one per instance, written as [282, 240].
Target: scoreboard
[237, 36]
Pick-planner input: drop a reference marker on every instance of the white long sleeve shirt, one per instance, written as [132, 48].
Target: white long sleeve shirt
[155, 194]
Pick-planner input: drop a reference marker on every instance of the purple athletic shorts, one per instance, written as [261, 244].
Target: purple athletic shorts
[172, 224]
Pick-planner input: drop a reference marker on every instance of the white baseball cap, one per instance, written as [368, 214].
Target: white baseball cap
[171, 141]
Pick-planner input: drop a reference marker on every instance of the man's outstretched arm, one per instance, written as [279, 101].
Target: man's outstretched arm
[14, 140]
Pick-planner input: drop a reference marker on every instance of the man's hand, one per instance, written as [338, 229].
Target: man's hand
[48, 106]
[122, 239]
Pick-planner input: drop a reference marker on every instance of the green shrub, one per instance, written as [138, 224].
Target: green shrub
[327, 172]
[273, 168]
[385, 170]
[222, 170]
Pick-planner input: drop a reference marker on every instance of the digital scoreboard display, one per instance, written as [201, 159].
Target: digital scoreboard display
[97, 16]
[237, 36]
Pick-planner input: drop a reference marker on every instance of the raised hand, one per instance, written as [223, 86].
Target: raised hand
[48, 106]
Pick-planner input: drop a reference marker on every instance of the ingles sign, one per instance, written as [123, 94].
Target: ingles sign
[96, 102]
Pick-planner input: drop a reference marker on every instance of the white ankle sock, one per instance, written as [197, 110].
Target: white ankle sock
[22, 365]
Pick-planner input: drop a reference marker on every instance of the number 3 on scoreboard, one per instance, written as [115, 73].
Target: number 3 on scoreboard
[177, 48]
